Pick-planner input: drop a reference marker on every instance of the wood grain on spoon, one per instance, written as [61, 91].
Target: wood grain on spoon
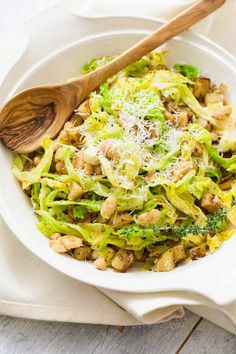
[43, 110]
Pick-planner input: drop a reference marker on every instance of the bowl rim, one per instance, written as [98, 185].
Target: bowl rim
[206, 45]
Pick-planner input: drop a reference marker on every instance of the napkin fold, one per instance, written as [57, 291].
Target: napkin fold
[147, 308]
[30, 288]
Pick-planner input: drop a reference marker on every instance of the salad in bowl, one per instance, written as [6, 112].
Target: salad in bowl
[142, 173]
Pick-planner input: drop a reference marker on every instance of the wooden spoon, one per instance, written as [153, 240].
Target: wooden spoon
[43, 110]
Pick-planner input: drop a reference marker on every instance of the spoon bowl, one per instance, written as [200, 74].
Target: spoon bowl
[35, 112]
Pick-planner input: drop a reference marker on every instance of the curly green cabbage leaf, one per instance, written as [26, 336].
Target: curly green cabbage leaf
[30, 177]
[185, 204]
[203, 136]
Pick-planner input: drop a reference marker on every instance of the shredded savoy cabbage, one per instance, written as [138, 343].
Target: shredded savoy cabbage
[143, 172]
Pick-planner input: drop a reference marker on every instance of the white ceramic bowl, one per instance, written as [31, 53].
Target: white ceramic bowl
[213, 276]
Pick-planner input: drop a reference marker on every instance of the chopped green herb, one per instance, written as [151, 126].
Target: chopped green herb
[190, 71]
[136, 68]
[106, 97]
[79, 212]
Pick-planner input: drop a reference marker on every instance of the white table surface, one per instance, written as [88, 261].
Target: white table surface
[191, 334]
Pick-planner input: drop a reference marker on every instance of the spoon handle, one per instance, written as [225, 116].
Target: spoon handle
[178, 24]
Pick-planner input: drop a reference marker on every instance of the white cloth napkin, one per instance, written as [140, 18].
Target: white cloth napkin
[29, 288]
